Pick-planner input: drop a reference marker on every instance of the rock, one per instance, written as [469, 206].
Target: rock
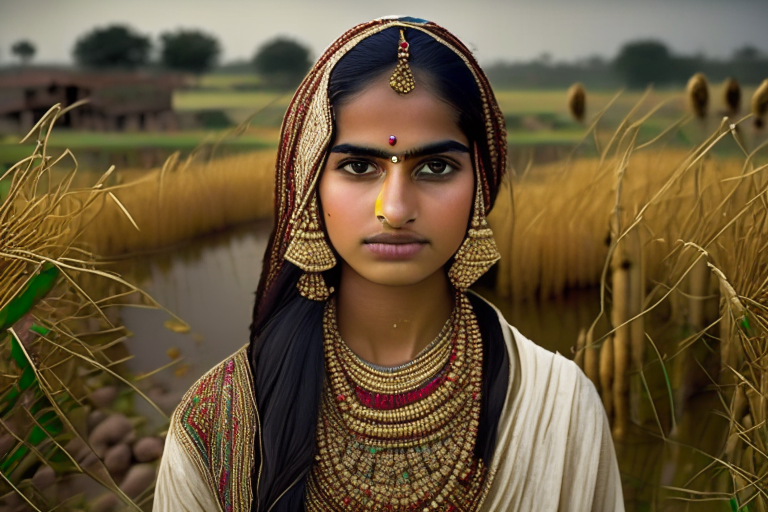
[10, 501]
[139, 477]
[7, 441]
[103, 397]
[109, 432]
[90, 461]
[77, 448]
[130, 438]
[165, 401]
[94, 418]
[118, 459]
[44, 477]
[148, 449]
[105, 503]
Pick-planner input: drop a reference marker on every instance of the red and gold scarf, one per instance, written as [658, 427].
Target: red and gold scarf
[308, 127]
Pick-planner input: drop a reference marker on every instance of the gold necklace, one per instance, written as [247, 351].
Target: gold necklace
[412, 449]
[404, 378]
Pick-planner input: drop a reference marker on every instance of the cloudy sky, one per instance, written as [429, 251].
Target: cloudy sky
[496, 29]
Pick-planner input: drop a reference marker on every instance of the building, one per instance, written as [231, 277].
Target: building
[117, 101]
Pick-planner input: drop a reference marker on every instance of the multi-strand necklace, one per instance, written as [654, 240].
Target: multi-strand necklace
[401, 438]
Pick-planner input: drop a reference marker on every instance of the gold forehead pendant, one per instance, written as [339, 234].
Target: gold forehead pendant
[402, 78]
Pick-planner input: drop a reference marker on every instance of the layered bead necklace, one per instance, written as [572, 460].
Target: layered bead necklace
[401, 438]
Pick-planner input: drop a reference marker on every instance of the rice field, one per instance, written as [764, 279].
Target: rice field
[664, 228]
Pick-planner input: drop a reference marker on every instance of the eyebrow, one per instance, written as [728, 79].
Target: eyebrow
[447, 146]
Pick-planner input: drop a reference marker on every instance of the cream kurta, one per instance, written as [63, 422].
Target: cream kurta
[553, 451]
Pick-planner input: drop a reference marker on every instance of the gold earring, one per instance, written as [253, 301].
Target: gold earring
[478, 252]
[309, 251]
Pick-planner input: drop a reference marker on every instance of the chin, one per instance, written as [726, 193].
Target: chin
[395, 274]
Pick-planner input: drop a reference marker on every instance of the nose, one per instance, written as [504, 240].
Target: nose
[396, 203]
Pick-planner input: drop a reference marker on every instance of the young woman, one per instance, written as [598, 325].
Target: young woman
[374, 380]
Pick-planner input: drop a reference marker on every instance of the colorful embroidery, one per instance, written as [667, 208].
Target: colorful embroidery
[216, 422]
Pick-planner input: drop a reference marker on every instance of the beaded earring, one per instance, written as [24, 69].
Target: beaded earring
[478, 252]
[309, 251]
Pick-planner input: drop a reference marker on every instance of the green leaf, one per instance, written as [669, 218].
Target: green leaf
[36, 288]
[745, 322]
[39, 329]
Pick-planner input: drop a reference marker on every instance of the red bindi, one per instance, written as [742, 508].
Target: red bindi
[392, 140]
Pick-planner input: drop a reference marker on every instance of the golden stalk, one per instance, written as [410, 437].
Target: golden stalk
[697, 93]
[606, 376]
[592, 360]
[760, 104]
[732, 96]
[577, 101]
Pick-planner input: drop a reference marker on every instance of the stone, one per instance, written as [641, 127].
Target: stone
[7, 441]
[105, 503]
[77, 448]
[118, 459]
[90, 461]
[103, 397]
[94, 418]
[137, 480]
[44, 477]
[148, 449]
[109, 432]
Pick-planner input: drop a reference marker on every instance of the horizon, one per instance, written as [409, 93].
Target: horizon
[498, 31]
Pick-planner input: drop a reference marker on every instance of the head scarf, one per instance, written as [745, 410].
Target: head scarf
[308, 127]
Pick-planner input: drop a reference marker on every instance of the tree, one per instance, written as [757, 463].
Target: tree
[282, 62]
[189, 50]
[641, 63]
[747, 53]
[116, 46]
[24, 50]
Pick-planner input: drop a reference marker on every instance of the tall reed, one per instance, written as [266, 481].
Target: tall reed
[182, 200]
[59, 330]
[760, 104]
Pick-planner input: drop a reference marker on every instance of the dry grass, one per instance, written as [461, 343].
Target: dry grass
[561, 221]
[675, 217]
[183, 200]
[658, 229]
[59, 328]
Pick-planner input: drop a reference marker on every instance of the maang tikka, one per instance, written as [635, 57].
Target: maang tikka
[478, 252]
[402, 78]
[310, 251]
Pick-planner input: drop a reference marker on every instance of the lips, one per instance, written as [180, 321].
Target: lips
[396, 238]
[395, 246]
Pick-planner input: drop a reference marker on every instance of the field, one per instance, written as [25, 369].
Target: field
[539, 124]
[666, 235]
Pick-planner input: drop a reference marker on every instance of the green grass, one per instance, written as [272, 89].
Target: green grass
[87, 145]
[191, 100]
[535, 118]
[233, 81]
[544, 137]
[120, 140]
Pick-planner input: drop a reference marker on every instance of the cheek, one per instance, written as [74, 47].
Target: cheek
[345, 211]
[448, 213]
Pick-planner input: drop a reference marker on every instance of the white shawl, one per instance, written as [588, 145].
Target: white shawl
[554, 451]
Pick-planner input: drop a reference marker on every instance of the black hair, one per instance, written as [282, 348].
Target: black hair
[286, 351]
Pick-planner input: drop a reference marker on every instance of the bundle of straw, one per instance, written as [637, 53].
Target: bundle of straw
[56, 333]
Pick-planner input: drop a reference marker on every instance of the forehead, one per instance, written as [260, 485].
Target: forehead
[377, 112]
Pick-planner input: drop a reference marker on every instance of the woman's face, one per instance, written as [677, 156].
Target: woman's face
[397, 213]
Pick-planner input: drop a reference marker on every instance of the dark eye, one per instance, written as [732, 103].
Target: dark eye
[436, 167]
[358, 167]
